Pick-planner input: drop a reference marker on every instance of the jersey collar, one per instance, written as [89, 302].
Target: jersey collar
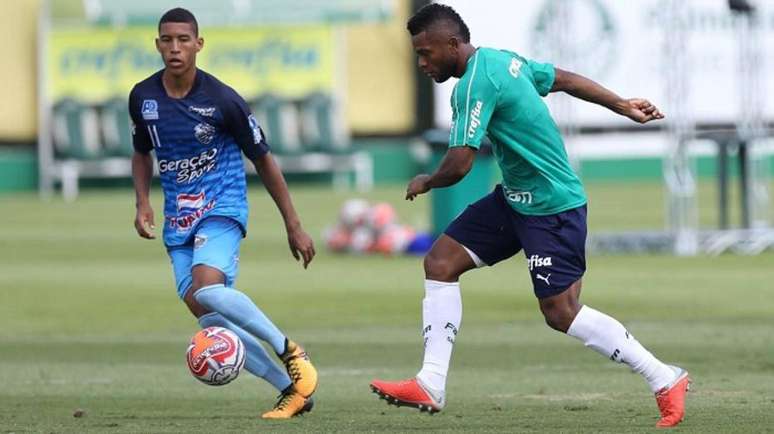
[197, 83]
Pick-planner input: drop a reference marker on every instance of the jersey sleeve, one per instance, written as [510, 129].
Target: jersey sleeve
[141, 139]
[473, 102]
[243, 126]
[543, 75]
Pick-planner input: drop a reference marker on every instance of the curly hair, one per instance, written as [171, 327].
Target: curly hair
[435, 13]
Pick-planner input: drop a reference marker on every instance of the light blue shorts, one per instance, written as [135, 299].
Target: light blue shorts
[215, 244]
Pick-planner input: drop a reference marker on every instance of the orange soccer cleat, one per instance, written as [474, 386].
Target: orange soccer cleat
[671, 400]
[300, 369]
[410, 393]
[290, 404]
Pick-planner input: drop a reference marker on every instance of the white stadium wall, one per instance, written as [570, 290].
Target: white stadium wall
[620, 44]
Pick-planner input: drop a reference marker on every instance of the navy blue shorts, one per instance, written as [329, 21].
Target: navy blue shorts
[554, 245]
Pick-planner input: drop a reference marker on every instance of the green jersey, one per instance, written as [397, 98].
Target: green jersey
[500, 95]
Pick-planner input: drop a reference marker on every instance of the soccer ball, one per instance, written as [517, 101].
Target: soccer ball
[215, 356]
[337, 238]
[380, 216]
[362, 240]
[394, 238]
[353, 212]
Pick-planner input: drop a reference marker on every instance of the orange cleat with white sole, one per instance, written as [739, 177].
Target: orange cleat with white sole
[671, 399]
[409, 393]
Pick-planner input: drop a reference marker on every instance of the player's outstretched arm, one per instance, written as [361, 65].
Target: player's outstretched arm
[142, 170]
[301, 245]
[455, 165]
[637, 109]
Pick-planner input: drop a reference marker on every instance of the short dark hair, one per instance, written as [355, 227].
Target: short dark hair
[434, 13]
[180, 15]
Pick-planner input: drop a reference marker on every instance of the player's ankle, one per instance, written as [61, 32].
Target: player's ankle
[284, 348]
[432, 380]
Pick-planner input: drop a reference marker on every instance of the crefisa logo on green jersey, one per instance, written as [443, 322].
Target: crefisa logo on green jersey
[594, 42]
[475, 119]
[515, 68]
[524, 197]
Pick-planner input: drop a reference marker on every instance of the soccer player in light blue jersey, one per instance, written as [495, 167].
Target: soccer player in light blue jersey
[199, 128]
[539, 208]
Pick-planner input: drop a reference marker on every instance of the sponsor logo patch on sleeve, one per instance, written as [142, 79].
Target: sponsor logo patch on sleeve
[150, 110]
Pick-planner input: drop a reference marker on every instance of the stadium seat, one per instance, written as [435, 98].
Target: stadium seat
[307, 136]
[278, 117]
[116, 128]
[78, 152]
[321, 124]
[75, 129]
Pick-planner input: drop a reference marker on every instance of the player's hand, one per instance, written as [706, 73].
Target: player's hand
[418, 185]
[143, 222]
[301, 245]
[640, 110]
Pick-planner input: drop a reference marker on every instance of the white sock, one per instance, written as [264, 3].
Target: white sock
[441, 319]
[608, 337]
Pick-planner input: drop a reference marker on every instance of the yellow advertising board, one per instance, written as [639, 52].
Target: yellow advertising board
[95, 64]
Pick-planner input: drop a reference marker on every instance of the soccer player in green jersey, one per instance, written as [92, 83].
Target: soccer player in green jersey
[539, 208]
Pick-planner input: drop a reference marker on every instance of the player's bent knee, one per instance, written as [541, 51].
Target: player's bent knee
[196, 309]
[557, 323]
[204, 275]
[558, 319]
[559, 312]
[440, 268]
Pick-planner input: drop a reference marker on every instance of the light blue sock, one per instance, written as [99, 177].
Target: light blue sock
[257, 361]
[240, 310]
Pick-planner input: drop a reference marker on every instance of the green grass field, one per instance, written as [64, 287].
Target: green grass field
[89, 320]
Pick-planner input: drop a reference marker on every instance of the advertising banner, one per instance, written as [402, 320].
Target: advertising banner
[94, 64]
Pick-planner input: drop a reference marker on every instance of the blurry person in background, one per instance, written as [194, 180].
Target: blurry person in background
[539, 208]
[199, 128]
